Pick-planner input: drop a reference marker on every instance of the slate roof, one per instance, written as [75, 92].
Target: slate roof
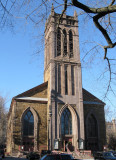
[89, 98]
[32, 91]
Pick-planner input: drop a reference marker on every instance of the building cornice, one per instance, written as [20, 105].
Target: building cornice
[32, 99]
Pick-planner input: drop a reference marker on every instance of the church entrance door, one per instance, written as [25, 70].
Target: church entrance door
[28, 144]
[67, 143]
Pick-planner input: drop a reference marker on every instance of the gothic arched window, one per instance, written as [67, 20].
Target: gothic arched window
[70, 44]
[58, 42]
[66, 122]
[64, 42]
[92, 127]
[28, 124]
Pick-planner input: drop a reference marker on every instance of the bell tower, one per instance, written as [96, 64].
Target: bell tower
[62, 70]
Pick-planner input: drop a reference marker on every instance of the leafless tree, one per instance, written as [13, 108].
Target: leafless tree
[111, 140]
[101, 12]
[3, 121]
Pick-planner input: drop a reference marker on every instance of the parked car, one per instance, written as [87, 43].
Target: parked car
[57, 157]
[98, 155]
[33, 156]
[109, 156]
[44, 152]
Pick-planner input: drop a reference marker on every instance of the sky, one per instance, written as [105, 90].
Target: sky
[21, 68]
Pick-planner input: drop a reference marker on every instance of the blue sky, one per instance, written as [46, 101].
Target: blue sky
[22, 69]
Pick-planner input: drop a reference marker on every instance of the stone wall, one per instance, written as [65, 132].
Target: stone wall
[98, 111]
[41, 110]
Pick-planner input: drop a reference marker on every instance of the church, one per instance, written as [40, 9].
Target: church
[59, 111]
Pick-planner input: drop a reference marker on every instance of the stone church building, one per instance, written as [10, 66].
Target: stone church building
[59, 111]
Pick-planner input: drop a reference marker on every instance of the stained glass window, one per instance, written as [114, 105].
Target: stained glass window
[66, 122]
[28, 124]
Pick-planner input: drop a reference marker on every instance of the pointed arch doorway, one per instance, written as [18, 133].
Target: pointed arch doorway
[68, 128]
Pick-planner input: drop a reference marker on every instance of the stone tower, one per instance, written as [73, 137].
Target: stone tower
[62, 70]
[57, 113]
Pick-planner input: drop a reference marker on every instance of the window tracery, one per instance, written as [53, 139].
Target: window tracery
[28, 124]
[66, 122]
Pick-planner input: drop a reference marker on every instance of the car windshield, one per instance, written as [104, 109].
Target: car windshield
[51, 157]
[108, 154]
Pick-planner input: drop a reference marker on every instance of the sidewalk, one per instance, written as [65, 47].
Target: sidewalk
[85, 158]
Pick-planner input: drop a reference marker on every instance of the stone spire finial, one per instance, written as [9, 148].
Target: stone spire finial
[52, 9]
[75, 14]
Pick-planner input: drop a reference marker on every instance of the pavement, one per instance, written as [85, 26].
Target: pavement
[24, 158]
[13, 158]
[86, 159]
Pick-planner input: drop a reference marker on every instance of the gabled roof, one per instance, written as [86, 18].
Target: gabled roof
[34, 94]
[33, 91]
[28, 95]
[89, 98]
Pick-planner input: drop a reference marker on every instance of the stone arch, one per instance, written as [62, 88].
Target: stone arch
[91, 140]
[75, 124]
[73, 32]
[36, 126]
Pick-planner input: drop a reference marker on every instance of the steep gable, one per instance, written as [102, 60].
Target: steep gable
[89, 98]
[39, 91]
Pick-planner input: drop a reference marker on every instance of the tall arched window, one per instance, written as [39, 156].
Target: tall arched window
[66, 122]
[58, 42]
[64, 42]
[92, 127]
[28, 124]
[70, 44]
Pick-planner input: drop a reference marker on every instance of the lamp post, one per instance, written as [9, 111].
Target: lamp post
[50, 129]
